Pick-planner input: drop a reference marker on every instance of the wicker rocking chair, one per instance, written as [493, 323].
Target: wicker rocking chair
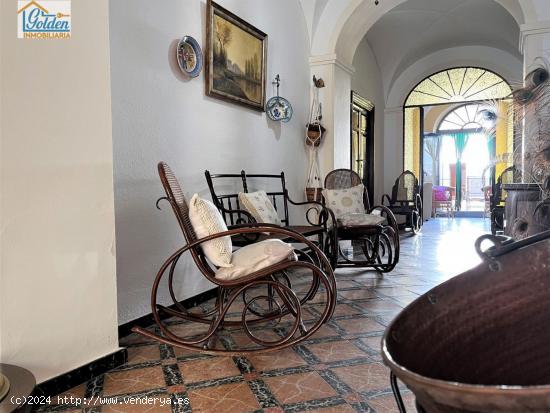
[406, 200]
[376, 245]
[276, 324]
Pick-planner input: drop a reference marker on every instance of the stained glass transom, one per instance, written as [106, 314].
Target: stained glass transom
[467, 117]
[462, 84]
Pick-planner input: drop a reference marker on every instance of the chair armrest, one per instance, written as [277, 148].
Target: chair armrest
[221, 208]
[386, 197]
[389, 215]
[247, 214]
[325, 216]
[272, 229]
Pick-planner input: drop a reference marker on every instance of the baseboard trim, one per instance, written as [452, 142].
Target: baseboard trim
[146, 320]
[102, 365]
[82, 374]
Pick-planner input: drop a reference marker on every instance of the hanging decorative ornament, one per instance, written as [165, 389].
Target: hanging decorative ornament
[277, 107]
[314, 136]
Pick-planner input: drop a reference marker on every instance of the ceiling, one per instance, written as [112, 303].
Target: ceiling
[418, 28]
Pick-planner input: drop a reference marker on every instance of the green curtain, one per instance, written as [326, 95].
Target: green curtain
[432, 143]
[492, 145]
[492, 148]
[461, 140]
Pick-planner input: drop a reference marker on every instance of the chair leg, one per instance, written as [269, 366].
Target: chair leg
[397, 393]
[416, 223]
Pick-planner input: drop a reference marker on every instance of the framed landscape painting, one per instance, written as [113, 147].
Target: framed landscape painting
[236, 54]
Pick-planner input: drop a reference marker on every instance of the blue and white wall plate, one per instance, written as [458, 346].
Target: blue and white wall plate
[278, 109]
[189, 56]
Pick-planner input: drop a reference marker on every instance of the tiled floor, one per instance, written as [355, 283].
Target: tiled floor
[338, 370]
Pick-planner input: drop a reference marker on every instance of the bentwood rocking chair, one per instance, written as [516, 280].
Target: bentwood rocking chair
[269, 309]
[373, 232]
[498, 198]
[406, 200]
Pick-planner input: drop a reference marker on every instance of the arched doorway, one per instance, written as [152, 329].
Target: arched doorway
[445, 116]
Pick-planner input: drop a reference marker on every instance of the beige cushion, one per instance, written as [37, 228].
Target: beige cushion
[260, 207]
[207, 220]
[353, 219]
[345, 201]
[254, 257]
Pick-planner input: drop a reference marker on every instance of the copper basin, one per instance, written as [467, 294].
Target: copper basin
[480, 342]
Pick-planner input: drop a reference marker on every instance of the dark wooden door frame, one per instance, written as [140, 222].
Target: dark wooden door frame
[369, 182]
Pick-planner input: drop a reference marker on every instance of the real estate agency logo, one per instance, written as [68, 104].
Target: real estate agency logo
[44, 19]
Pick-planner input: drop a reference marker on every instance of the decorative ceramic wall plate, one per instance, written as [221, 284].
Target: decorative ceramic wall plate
[189, 56]
[278, 109]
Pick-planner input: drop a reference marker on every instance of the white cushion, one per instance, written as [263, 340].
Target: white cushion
[207, 220]
[254, 257]
[260, 207]
[345, 201]
[349, 220]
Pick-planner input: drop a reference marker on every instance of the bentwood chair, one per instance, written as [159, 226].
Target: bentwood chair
[498, 198]
[256, 324]
[373, 232]
[406, 200]
[318, 217]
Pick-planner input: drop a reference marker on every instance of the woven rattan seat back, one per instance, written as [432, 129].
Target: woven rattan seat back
[405, 187]
[176, 197]
[344, 179]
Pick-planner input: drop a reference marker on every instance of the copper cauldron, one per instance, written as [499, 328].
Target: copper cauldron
[480, 342]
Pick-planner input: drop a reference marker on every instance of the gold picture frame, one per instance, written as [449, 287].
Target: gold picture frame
[236, 57]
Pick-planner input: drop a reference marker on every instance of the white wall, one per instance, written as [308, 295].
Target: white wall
[160, 115]
[367, 81]
[58, 291]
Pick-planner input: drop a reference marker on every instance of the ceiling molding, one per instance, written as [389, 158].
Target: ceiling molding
[532, 29]
[331, 59]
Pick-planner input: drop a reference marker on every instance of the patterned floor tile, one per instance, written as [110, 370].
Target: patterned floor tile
[150, 407]
[143, 354]
[360, 325]
[386, 403]
[345, 310]
[234, 398]
[208, 369]
[133, 381]
[365, 377]
[397, 291]
[295, 388]
[277, 360]
[188, 329]
[379, 306]
[343, 284]
[341, 408]
[335, 351]
[359, 294]
[374, 342]
[324, 331]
